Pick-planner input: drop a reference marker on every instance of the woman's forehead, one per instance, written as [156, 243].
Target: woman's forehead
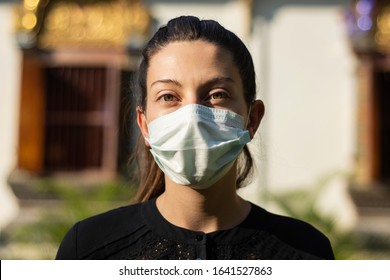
[196, 58]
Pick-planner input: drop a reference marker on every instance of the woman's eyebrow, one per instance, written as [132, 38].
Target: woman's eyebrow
[212, 81]
[219, 79]
[166, 81]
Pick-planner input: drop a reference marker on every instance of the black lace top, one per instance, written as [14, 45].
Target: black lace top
[140, 232]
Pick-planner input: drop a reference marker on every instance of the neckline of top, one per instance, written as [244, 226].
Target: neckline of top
[158, 224]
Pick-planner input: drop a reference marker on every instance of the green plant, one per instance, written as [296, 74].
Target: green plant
[301, 203]
[72, 203]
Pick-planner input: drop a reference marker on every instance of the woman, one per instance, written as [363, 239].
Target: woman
[196, 113]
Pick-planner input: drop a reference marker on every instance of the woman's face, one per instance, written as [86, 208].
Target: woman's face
[193, 72]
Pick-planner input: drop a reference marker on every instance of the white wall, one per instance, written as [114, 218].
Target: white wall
[9, 104]
[307, 80]
[311, 96]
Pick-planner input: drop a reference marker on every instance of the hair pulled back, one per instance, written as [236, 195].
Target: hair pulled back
[188, 28]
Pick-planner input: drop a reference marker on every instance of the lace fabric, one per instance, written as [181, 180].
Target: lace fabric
[162, 249]
[259, 246]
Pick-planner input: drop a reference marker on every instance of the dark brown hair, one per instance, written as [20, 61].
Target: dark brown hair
[189, 28]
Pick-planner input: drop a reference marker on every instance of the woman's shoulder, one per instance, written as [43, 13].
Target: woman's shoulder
[113, 219]
[107, 230]
[294, 232]
[279, 224]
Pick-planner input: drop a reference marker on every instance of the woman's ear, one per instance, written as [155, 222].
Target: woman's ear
[142, 124]
[255, 116]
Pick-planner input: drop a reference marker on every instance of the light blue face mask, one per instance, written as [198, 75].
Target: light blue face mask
[196, 145]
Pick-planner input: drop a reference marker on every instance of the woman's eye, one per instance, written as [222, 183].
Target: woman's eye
[219, 95]
[169, 98]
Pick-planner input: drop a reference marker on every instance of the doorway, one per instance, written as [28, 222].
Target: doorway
[382, 85]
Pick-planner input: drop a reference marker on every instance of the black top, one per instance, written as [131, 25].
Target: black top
[140, 232]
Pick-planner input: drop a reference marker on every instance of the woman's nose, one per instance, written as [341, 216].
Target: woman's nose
[192, 97]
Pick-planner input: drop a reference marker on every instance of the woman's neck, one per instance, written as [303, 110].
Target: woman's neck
[216, 208]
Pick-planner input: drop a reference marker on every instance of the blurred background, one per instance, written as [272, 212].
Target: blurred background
[322, 153]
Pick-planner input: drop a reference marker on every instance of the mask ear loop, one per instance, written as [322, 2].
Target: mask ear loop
[248, 116]
[143, 111]
[147, 124]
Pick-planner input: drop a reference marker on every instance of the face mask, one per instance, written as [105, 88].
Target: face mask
[197, 145]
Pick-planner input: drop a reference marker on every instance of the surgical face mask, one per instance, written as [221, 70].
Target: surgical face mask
[196, 145]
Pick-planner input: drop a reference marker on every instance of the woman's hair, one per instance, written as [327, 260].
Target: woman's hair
[188, 28]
